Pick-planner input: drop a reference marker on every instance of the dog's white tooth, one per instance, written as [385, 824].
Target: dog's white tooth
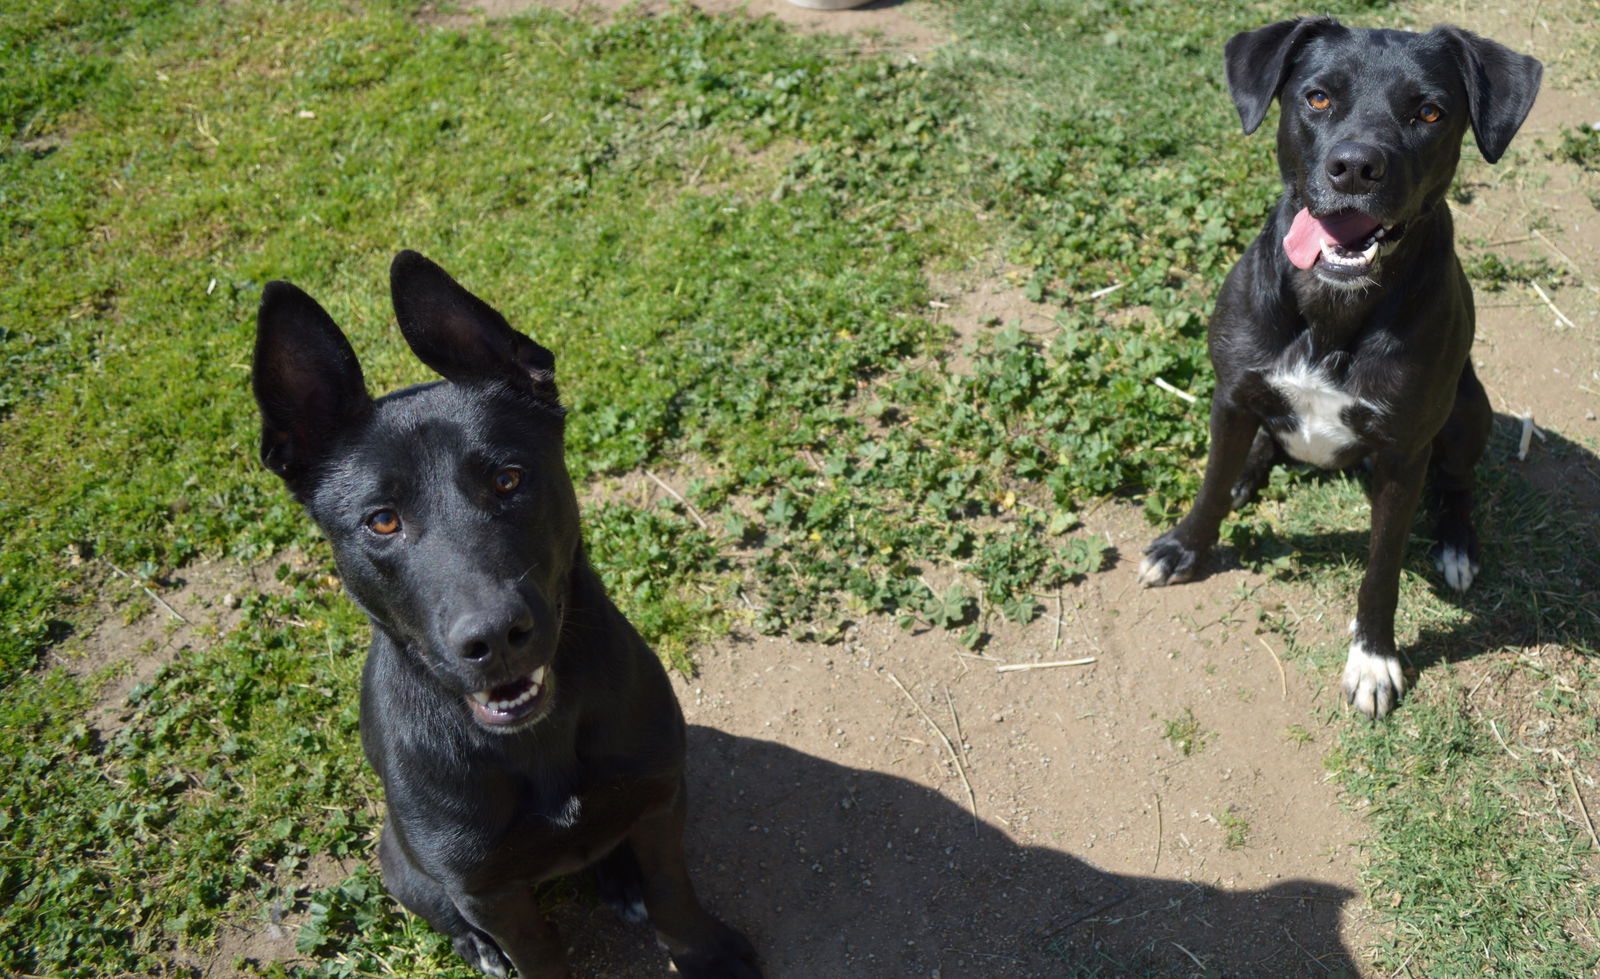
[481, 696]
[538, 676]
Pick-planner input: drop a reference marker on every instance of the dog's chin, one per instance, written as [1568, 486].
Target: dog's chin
[1356, 269]
[516, 704]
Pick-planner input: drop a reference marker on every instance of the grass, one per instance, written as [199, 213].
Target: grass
[1184, 733]
[1470, 791]
[1235, 829]
[725, 232]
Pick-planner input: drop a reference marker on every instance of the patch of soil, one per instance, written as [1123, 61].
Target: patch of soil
[832, 823]
[139, 630]
[271, 938]
[978, 306]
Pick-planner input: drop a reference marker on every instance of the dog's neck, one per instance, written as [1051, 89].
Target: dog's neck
[1337, 317]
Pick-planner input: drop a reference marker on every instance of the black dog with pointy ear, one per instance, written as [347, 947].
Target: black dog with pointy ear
[521, 727]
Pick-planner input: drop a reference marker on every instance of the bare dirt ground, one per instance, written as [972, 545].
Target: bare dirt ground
[1163, 807]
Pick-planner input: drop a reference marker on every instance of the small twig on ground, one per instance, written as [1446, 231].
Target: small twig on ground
[153, 596]
[1061, 613]
[1497, 737]
[677, 496]
[1192, 957]
[1283, 678]
[1108, 290]
[1582, 807]
[1071, 920]
[1163, 385]
[1559, 253]
[1481, 681]
[961, 739]
[1013, 667]
[1553, 307]
[972, 797]
[1159, 833]
[1526, 439]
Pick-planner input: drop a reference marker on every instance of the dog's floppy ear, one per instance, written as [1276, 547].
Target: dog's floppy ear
[1258, 61]
[307, 383]
[1501, 85]
[459, 335]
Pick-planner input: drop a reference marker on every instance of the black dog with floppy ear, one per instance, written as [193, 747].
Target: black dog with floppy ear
[521, 727]
[1342, 334]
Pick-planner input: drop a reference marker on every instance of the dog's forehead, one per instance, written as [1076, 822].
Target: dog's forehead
[442, 426]
[1379, 60]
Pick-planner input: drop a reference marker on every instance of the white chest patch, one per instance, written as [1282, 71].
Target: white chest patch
[1320, 434]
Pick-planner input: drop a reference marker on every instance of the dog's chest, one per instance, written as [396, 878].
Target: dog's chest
[1318, 429]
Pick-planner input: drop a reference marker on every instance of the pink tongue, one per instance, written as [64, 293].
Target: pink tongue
[1307, 234]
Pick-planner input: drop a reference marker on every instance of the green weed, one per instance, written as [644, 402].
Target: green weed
[1235, 829]
[1184, 733]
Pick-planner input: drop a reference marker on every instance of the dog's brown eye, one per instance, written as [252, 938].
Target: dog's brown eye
[507, 479]
[384, 522]
[1430, 113]
[1318, 100]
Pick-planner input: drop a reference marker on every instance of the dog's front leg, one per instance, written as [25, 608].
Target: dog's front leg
[701, 946]
[1175, 556]
[1372, 678]
[510, 915]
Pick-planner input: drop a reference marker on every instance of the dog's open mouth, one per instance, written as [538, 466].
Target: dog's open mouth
[1347, 243]
[511, 702]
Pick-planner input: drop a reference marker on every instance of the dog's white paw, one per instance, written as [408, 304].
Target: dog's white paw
[1373, 682]
[1167, 562]
[483, 953]
[1152, 572]
[1458, 567]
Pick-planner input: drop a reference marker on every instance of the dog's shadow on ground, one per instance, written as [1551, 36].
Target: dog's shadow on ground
[1540, 580]
[837, 871]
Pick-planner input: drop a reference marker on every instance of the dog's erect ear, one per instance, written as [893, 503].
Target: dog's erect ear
[1501, 86]
[307, 383]
[459, 335]
[1258, 61]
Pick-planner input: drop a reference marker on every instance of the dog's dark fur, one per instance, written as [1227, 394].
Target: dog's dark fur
[1335, 367]
[455, 527]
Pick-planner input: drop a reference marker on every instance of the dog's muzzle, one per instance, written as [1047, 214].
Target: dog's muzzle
[1346, 243]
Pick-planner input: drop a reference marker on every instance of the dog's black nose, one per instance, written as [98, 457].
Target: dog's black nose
[481, 635]
[1355, 168]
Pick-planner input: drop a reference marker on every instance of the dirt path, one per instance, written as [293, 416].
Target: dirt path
[834, 823]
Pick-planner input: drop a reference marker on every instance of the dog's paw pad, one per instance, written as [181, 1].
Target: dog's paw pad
[1167, 562]
[1373, 682]
[1458, 567]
